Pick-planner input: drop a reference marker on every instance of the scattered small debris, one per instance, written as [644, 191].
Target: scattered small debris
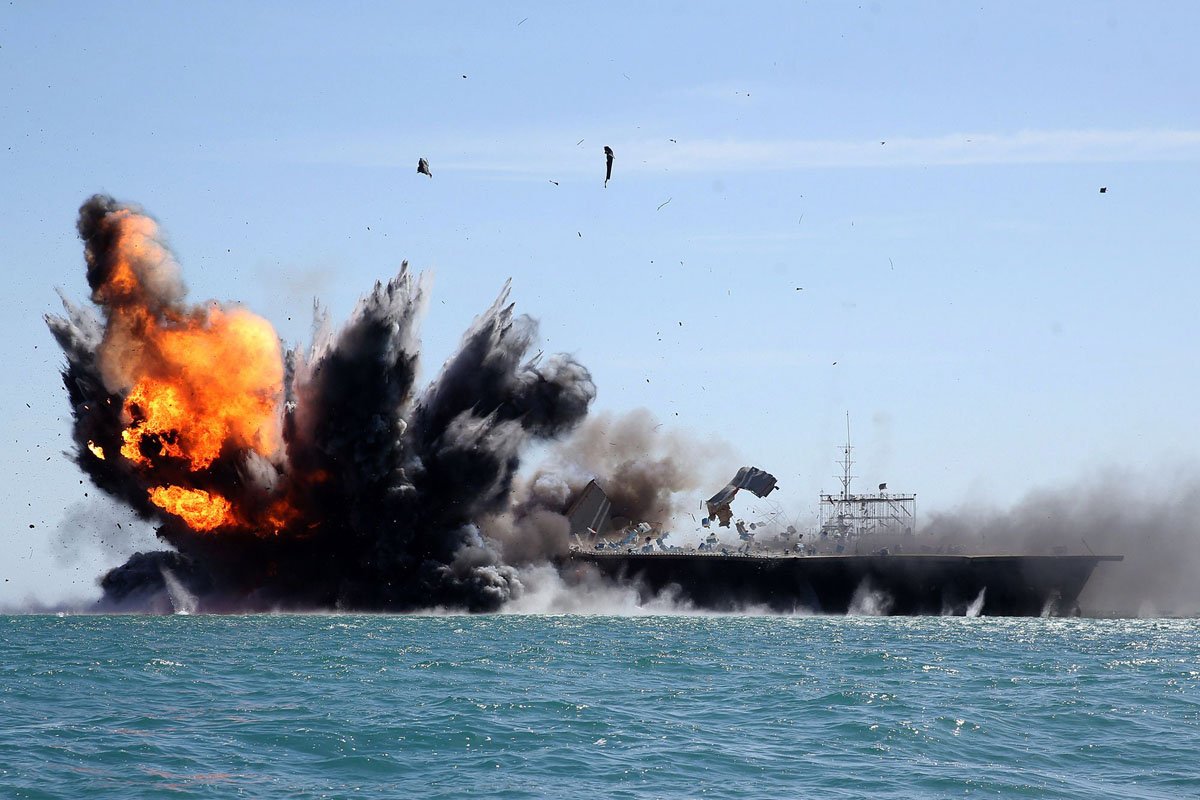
[673, 140]
[608, 159]
[799, 288]
[1103, 189]
[423, 168]
[660, 208]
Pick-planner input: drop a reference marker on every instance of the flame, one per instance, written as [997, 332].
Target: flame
[218, 382]
[137, 244]
[96, 449]
[280, 515]
[201, 510]
[198, 382]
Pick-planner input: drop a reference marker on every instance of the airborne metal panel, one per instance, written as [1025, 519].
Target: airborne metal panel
[591, 513]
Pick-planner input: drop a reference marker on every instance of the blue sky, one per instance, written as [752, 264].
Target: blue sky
[908, 190]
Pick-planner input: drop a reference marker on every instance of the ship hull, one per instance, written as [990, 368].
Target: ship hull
[993, 585]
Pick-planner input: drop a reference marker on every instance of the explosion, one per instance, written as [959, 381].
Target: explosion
[302, 479]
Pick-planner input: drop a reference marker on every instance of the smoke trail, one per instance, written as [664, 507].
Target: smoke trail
[318, 479]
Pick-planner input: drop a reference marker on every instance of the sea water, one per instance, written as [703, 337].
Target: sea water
[597, 706]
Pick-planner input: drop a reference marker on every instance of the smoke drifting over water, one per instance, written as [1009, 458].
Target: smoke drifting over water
[1154, 523]
[301, 479]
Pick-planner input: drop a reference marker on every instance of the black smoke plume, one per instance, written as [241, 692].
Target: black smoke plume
[373, 498]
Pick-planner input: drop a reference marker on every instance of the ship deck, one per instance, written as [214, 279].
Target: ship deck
[901, 583]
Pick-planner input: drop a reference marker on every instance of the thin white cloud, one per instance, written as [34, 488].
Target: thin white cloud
[1025, 147]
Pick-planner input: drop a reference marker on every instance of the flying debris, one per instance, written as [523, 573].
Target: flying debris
[423, 168]
[760, 482]
[608, 158]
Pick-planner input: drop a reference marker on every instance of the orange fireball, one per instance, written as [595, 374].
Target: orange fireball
[197, 381]
[214, 382]
[201, 510]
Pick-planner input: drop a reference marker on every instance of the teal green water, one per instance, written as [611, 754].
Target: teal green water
[529, 706]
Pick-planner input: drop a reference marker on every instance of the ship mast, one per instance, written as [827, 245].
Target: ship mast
[846, 462]
[849, 516]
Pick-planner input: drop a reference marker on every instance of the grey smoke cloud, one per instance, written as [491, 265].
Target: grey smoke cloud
[1154, 521]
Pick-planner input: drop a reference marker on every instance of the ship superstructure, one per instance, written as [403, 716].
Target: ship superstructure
[851, 520]
[866, 545]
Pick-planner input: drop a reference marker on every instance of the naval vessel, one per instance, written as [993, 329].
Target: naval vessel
[865, 557]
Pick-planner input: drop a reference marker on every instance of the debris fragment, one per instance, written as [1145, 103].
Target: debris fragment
[522, 22]
[579, 142]
[608, 158]
[752, 479]
[554, 182]
[423, 167]
[1103, 189]
[669, 199]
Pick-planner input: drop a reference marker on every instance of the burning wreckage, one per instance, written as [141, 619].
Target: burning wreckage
[323, 479]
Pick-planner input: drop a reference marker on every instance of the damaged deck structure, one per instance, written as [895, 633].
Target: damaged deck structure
[841, 571]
